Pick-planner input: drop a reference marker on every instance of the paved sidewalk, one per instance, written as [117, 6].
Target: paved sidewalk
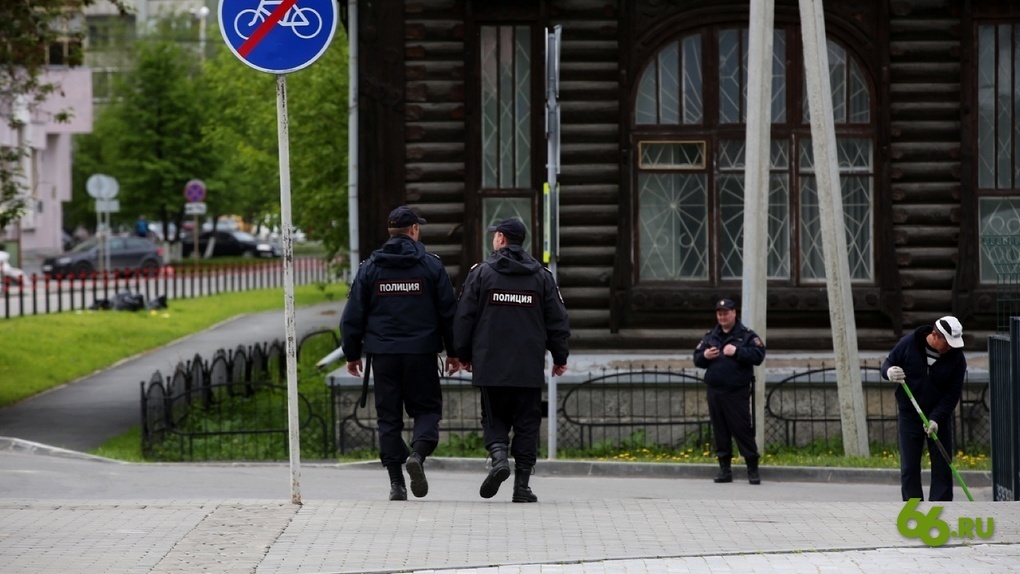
[62, 511]
[69, 512]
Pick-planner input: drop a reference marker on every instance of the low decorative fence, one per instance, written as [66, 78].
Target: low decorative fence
[804, 407]
[241, 394]
[234, 405]
[669, 409]
[654, 407]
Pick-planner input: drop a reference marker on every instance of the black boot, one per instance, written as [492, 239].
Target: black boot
[522, 492]
[398, 490]
[416, 470]
[752, 470]
[725, 471]
[499, 472]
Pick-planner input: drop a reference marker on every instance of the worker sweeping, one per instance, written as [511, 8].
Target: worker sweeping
[930, 367]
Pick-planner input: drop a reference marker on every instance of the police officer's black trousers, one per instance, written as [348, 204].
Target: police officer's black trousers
[513, 408]
[730, 413]
[912, 442]
[408, 382]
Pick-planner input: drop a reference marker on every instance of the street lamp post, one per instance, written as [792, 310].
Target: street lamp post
[201, 14]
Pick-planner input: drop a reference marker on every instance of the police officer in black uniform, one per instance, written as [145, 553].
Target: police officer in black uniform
[510, 312]
[729, 353]
[400, 313]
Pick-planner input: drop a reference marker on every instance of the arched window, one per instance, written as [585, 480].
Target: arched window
[688, 128]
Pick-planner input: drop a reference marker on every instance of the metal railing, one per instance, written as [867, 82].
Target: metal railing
[43, 294]
[668, 409]
[804, 407]
[625, 408]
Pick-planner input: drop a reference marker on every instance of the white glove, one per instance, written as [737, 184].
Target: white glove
[896, 374]
[932, 428]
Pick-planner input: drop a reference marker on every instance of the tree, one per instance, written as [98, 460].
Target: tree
[149, 136]
[170, 122]
[242, 129]
[319, 131]
[27, 30]
[153, 130]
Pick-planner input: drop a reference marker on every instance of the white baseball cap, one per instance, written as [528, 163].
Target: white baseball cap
[952, 330]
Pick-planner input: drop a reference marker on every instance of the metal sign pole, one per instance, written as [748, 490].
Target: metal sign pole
[285, 39]
[552, 126]
[293, 421]
[194, 246]
[99, 231]
[551, 195]
[106, 242]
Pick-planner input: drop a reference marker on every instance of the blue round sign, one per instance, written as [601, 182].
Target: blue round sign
[278, 36]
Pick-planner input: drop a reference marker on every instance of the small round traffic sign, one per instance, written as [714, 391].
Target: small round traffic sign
[100, 186]
[194, 190]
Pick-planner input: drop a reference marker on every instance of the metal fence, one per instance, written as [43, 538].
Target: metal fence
[1003, 359]
[213, 408]
[42, 294]
[234, 406]
[668, 409]
[804, 407]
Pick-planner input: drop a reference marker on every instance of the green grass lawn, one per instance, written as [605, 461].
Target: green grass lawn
[881, 457]
[44, 351]
[128, 447]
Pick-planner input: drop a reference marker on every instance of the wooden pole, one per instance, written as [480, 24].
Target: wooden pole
[830, 208]
[757, 161]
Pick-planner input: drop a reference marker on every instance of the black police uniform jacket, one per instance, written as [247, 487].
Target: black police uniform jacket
[729, 373]
[401, 302]
[510, 312]
[937, 388]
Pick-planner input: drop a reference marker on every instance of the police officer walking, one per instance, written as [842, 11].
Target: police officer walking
[510, 312]
[729, 353]
[399, 314]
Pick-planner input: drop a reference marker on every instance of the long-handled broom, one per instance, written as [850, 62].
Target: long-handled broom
[935, 437]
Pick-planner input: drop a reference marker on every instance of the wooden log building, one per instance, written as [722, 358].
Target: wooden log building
[653, 101]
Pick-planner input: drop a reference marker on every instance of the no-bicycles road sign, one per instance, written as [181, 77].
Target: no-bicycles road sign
[277, 36]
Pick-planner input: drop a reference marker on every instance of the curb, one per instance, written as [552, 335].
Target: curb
[28, 447]
[973, 478]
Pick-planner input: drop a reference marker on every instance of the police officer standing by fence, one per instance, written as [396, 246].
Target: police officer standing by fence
[729, 353]
[510, 312]
[400, 313]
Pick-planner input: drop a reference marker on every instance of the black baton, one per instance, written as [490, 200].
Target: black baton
[364, 381]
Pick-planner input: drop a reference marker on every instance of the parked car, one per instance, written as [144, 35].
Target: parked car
[156, 230]
[230, 242]
[274, 235]
[126, 254]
